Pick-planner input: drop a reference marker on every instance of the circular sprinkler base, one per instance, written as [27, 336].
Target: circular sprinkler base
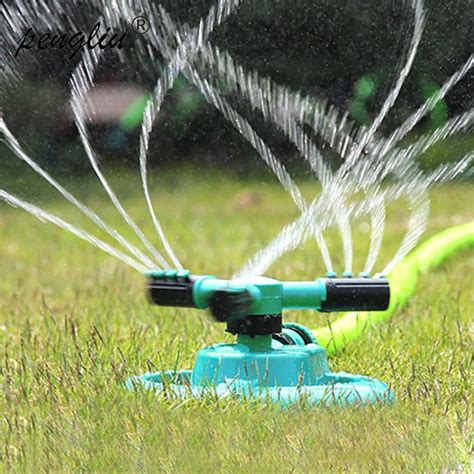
[335, 389]
[264, 367]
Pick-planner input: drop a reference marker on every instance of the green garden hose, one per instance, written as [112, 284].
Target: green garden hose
[403, 278]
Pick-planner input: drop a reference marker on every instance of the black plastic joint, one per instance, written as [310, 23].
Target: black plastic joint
[226, 304]
[258, 325]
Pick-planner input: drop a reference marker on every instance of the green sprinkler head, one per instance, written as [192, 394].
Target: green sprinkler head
[269, 360]
[233, 300]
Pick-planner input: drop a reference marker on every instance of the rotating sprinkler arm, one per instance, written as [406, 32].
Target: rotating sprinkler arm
[258, 296]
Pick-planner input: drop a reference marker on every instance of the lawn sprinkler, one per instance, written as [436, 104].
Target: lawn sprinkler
[281, 362]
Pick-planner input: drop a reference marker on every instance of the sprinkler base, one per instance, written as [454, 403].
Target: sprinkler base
[284, 368]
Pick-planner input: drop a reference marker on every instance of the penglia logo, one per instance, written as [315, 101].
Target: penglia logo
[75, 41]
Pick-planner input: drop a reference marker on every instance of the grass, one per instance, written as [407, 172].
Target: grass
[75, 323]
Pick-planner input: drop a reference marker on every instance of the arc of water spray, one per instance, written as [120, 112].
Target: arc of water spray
[419, 205]
[251, 136]
[276, 102]
[13, 143]
[48, 217]
[262, 99]
[212, 96]
[378, 156]
[427, 106]
[344, 225]
[419, 21]
[247, 131]
[343, 221]
[418, 199]
[178, 59]
[382, 146]
[367, 136]
[81, 82]
[377, 225]
[298, 231]
[185, 52]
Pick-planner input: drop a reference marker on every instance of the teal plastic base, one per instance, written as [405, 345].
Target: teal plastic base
[264, 368]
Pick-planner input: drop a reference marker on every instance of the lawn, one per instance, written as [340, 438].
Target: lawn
[75, 323]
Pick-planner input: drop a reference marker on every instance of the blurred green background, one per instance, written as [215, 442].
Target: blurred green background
[341, 51]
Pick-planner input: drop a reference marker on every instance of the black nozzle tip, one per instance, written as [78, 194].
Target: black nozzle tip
[171, 290]
[228, 304]
[356, 294]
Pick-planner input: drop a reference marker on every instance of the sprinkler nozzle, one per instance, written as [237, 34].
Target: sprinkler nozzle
[171, 289]
[356, 294]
